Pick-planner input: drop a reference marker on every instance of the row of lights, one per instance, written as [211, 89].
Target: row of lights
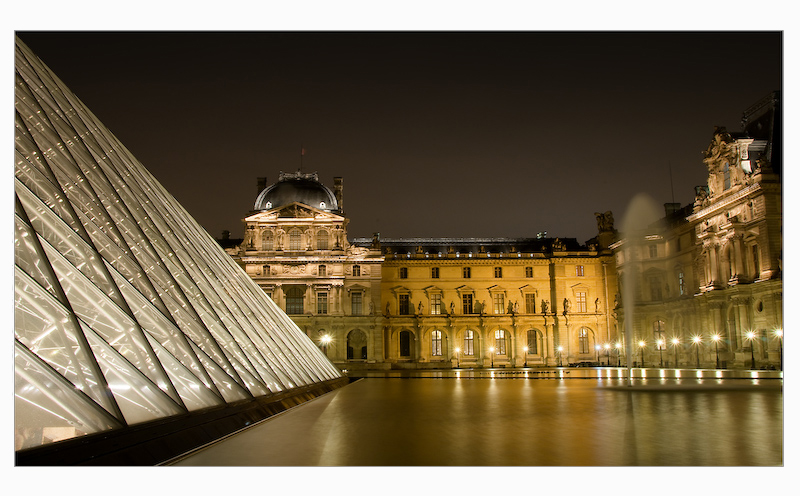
[696, 340]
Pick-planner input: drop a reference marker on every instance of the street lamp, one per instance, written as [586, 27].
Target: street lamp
[525, 356]
[559, 350]
[660, 344]
[696, 340]
[618, 346]
[779, 334]
[597, 353]
[491, 355]
[750, 337]
[325, 340]
[675, 343]
[608, 358]
[715, 338]
[642, 344]
[458, 352]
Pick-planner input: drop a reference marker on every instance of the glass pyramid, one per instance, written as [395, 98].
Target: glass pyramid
[125, 309]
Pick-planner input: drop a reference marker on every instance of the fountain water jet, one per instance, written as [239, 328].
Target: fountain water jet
[637, 222]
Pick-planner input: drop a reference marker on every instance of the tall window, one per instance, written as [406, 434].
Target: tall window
[533, 343]
[356, 270]
[403, 305]
[323, 271]
[294, 240]
[528, 271]
[655, 288]
[405, 344]
[498, 299]
[466, 301]
[579, 270]
[681, 283]
[466, 272]
[653, 251]
[355, 303]
[294, 301]
[468, 343]
[322, 303]
[322, 240]
[498, 272]
[756, 262]
[436, 343]
[580, 296]
[434, 272]
[499, 342]
[403, 272]
[265, 270]
[658, 334]
[267, 241]
[583, 340]
[530, 303]
[436, 304]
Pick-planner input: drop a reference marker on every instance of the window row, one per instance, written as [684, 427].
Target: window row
[293, 240]
[499, 344]
[322, 270]
[466, 272]
[499, 304]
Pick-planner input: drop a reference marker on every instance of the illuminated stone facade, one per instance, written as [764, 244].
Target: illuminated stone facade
[420, 303]
[713, 269]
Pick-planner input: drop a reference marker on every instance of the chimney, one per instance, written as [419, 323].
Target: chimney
[671, 208]
[262, 184]
[337, 192]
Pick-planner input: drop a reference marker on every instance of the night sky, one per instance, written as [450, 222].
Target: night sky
[461, 134]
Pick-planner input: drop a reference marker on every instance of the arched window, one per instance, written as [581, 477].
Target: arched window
[583, 340]
[436, 343]
[469, 339]
[294, 300]
[267, 242]
[294, 240]
[533, 342]
[322, 239]
[405, 344]
[499, 342]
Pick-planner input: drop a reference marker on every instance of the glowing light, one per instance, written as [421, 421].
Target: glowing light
[750, 335]
[675, 341]
[696, 339]
[715, 337]
[642, 344]
[779, 333]
[606, 346]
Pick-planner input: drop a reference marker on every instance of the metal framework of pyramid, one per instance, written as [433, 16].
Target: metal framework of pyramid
[125, 309]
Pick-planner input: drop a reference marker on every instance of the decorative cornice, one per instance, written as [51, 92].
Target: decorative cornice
[711, 209]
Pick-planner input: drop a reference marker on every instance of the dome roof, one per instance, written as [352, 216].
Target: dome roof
[297, 187]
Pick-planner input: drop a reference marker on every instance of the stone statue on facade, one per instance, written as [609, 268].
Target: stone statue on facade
[452, 308]
[545, 306]
[597, 305]
[567, 306]
[605, 221]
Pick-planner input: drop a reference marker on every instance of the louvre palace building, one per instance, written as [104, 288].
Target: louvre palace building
[706, 278]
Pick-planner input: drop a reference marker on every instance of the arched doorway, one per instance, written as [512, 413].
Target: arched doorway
[356, 345]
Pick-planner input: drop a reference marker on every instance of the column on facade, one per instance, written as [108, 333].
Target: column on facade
[738, 265]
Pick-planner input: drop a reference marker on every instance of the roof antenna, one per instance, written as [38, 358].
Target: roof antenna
[302, 152]
[672, 189]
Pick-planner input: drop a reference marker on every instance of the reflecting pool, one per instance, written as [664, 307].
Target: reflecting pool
[481, 420]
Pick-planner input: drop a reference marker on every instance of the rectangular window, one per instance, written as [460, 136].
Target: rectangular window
[528, 271]
[499, 342]
[323, 271]
[677, 245]
[466, 272]
[498, 272]
[434, 272]
[499, 301]
[655, 288]
[403, 304]
[581, 298]
[681, 283]
[436, 343]
[356, 270]
[530, 303]
[403, 272]
[436, 304]
[579, 270]
[265, 270]
[322, 303]
[466, 301]
[658, 335]
[653, 251]
[468, 343]
[532, 343]
[355, 303]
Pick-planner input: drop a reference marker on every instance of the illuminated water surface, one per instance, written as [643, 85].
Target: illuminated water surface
[497, 419]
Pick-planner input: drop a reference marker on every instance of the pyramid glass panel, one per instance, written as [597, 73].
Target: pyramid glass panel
[126, 310]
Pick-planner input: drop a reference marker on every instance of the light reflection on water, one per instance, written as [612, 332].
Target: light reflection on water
[474, 421]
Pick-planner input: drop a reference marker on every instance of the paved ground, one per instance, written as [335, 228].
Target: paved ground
[475, 418]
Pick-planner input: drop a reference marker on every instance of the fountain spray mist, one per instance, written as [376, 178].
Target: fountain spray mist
[637, 222]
